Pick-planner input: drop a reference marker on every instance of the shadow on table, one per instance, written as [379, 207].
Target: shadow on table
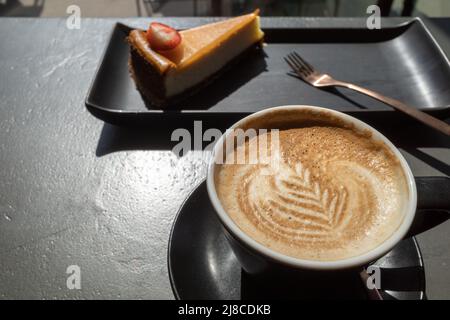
[156, 136]
[114, 138]
[405, 133]
[431, 161]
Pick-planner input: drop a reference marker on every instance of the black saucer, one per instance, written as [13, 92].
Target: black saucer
[202, 265]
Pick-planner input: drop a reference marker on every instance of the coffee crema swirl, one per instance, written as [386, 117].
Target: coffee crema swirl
[334, 194]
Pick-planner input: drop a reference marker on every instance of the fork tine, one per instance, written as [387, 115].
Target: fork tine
[290, 64]
[294, 66]
[297, 66]
[301, 67]
[303, 62]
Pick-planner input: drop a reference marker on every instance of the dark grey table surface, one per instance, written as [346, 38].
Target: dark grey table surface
[77, 191]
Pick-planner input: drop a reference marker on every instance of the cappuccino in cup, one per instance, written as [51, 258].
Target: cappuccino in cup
[336, 192]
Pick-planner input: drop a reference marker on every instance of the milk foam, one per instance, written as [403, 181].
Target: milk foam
[335, 194]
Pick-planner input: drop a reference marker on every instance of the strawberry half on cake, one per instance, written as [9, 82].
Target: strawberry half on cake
[167, 65]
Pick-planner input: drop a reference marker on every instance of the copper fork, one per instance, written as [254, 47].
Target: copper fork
[308, 74]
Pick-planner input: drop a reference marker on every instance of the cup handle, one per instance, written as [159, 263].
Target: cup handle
[433, 193]
[433, 204]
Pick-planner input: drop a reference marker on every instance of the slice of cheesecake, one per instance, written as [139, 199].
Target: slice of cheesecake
[192, 58]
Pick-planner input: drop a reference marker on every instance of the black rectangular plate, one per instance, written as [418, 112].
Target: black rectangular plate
[403, 62]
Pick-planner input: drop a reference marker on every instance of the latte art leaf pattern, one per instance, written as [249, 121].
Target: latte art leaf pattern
[330, 204]
[297, 206]
[333, 193]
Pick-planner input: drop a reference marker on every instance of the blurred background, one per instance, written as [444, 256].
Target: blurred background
[133, 8]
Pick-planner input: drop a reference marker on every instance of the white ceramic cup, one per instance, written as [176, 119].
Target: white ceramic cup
[255, 257]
